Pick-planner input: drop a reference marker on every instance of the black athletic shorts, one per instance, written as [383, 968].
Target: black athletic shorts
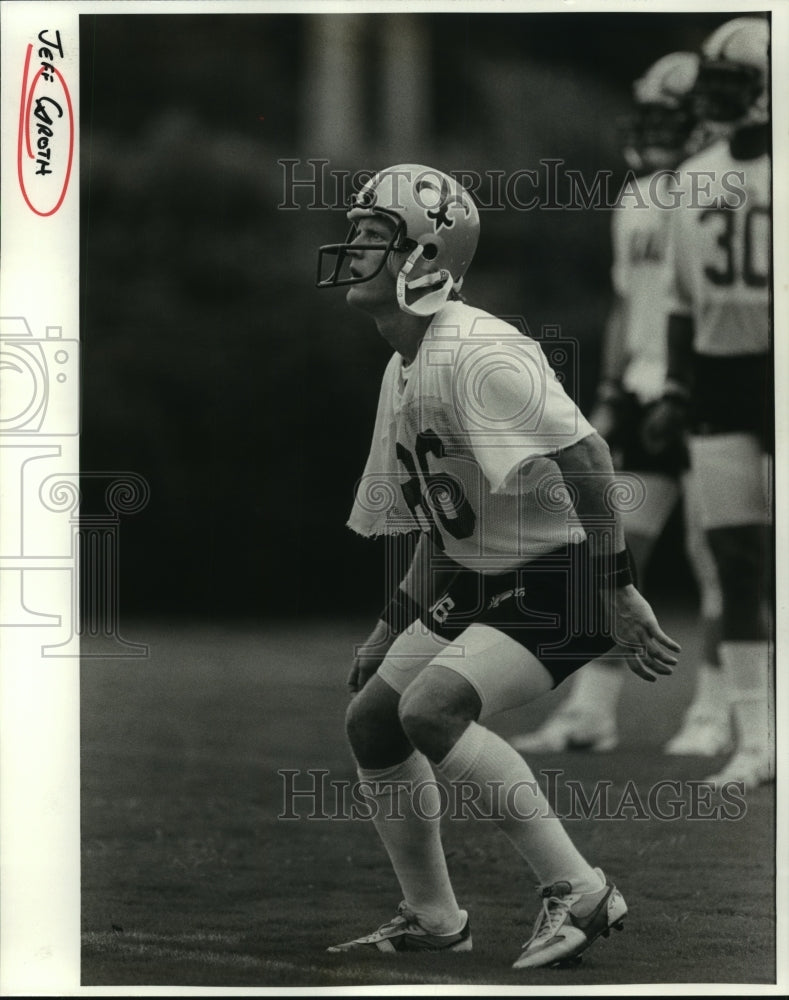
[734, 394]
[551, 606]
[627, 442]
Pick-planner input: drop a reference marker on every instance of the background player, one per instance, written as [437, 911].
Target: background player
[719, 370]
[472, 436]
[660, 133]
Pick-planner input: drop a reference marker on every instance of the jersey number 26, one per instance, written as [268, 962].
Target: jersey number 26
[437, 495]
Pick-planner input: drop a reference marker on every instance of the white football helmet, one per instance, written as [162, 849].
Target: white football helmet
[436, 226]
[732, 84]
[659, 133]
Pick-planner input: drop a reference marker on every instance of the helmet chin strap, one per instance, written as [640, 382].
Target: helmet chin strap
[428, 304]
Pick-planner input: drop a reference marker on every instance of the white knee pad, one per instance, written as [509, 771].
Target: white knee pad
[729, 471]
[504, 674]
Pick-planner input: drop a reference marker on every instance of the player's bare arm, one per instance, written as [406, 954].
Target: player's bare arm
[668, 420]
[586, 467]
[604, 415]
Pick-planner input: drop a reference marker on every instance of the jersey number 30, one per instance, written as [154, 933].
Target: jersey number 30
[437, 495]
[756, 247]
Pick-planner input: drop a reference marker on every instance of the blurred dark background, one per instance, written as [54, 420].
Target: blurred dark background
[211, 364]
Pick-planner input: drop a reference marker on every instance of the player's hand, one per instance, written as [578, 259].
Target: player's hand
[664, 425]
[635, 624]
[369, 656]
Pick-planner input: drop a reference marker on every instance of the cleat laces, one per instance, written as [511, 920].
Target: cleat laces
[555, 909]
[404, 920]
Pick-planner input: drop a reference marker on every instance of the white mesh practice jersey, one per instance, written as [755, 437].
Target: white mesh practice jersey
[719, 252]
[639, 276]
[453, 429]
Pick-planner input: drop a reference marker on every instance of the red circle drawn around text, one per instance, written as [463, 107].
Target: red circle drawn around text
[26, 103]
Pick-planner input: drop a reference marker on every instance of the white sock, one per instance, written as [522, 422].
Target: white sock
[746, 665]
[506, 786]
[712, 690]
[597, 687]
[414, 843]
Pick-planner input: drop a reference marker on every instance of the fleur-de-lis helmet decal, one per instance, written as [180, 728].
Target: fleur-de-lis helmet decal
[435, 237]
[445, 200]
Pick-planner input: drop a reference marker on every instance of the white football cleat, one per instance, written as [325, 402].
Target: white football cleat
[404, 933]
[570, 922]
[752, 766]
[571, 729]
[703, 734]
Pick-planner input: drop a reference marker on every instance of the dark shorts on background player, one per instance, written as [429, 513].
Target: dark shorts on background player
[734, 395]
[628, 444]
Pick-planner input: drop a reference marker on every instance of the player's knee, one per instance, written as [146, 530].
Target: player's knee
[374, 732]
[365, 727]
[435, 709]
[420, 719]
[357, 726]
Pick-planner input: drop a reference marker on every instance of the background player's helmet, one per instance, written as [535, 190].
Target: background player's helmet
[661, 129]
[732, 80]
[436, 228]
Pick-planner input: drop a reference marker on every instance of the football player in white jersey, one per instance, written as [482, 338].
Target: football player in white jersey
[719, 379]
[660, 133]
[520, 574]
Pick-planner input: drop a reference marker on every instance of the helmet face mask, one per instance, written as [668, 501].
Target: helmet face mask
[733, 77]
[436, 228]
[657, 134]
[335, 274]
[725, 92]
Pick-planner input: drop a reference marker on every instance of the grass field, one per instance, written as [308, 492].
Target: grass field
[189, 877]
